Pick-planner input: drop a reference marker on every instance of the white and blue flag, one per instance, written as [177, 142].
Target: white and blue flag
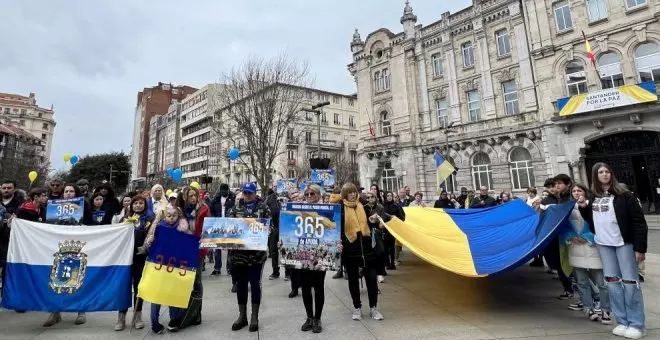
[56, 268]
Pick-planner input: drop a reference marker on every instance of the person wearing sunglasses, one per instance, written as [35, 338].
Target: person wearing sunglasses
[56, 189]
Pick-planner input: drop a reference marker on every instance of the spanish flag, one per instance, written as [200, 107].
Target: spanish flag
[590, 54]
[443, 169]
[169, 273]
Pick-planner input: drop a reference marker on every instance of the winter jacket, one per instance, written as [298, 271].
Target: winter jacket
[141, 229]
[394, 209]
[488, 201]
[444, 204]
[256, 209]
[376, 232]
[215, 206]
[629, 216]
[361, 249]
[5, 231]
[581, 255]
[29, 212]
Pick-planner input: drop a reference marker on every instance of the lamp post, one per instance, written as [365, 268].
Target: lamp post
[316, 110]
[447, 130]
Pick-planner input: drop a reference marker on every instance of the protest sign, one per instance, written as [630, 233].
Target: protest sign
[327, 176]
[310, 234]
[286, 185]
[307, 182]
[65, 211]
[235, 233]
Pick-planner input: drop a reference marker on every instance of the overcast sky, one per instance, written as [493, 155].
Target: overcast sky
[90, 58]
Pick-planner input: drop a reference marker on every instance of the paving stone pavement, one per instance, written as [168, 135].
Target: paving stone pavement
[419, 301]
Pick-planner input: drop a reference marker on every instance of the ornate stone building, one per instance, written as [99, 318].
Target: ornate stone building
[609, 125]
[471, 71]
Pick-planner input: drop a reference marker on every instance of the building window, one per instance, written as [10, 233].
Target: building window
[7, 110]
[351, 102]
[308, 136]
[23, 111]
[44, 126]
[324, 117]
[323, 97]
[482, 175]
[647, 59]
[468, 55]
[563, 16]
[474, 106]
[576, 79]
[289, 134]
[597, 10]
[437, 65]
[336, 100]
[630, 4]
[388, 180]
[40, 115]
[309, 95]
[324, 155]
[43, 136]
[351, 121]
[522, 170]
[503, 43]
[21, 122]
[336, 120]
[292, 173]
[385, 122]
[308, 117]
[324, 136]
[442, 113]
[386, 79]
[353, 156]
[510, 98]
[377, 84]
[290, 154]
[610, 70]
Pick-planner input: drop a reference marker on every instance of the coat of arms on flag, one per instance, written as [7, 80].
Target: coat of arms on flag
[69, 267]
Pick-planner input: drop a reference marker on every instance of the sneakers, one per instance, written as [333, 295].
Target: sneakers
[620, 330]
[606, 318]
[357, 314]
[375, 314]
[173, 325]
[593, 315]
[53, 319]
[634, 333]
[381, 279]
[215, 273]
[157, 328]
[576, 306]
[307, 326]
[316, 326]
[566, 296]
[80, 319]
[293, 294]
[274, 276]
[397, 263]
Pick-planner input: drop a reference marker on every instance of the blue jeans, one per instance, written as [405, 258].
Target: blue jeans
[620, 269]
[584, 277]
[155, 313]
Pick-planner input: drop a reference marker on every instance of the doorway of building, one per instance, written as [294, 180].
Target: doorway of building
[635, 160]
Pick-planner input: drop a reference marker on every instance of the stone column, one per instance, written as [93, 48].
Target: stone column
[449, 65]
[488, 98]
[526, 80]
[423, 87]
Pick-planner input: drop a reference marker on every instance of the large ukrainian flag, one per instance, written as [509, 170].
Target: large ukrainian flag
[169, 273]
[478, 242]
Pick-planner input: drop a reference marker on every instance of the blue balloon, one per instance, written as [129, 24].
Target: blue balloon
[176, 175]
[74, 160]
[233, 154]
[170, 171]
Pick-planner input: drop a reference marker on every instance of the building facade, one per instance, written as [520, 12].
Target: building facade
[24, 113]
[151, 102]
[463, 86]
[20, 153]
[625, 40]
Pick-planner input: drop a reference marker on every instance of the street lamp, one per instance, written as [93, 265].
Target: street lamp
[316, 110]
[447, 130]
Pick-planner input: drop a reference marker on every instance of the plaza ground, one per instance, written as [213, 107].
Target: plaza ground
[419, 301]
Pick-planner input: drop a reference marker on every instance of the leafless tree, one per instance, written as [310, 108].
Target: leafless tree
[345, 171]
[260, 101]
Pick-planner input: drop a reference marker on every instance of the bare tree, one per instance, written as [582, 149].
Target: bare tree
[345, 171]
[260, 101]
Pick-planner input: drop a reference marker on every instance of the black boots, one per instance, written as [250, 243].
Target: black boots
[254, 321]
[241, 322]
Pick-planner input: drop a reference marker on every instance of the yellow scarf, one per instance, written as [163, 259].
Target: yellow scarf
[355, 220]
[334, 198]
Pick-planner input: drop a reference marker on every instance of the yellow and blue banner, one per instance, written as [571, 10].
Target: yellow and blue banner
[65, 211]
[169, 273]
[609, 98]
[310, 234]
[235, 233]
[286, 185]
[443, 169]
[479, 242]
[327, 176]
[68, 268]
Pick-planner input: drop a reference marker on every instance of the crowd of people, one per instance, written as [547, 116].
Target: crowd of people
[607, 241]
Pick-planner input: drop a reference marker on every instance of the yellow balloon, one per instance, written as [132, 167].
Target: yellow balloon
[168, 192]
[33, 176]
[195, 185]
[67, 157]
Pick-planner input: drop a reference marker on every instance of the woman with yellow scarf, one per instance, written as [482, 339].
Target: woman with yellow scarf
[357, 251]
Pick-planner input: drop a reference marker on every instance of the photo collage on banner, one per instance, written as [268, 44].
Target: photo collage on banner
[65, 211]
[235, 233]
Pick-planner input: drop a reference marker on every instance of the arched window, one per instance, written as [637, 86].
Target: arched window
[385, 123]
[522, 170]
[482, 175]
[377, 81]
[576, 79]
[647, 59]
[610, 70]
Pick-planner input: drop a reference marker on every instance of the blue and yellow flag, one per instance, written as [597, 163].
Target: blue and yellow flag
[479, 242]
[443, 169]
[169, 273]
